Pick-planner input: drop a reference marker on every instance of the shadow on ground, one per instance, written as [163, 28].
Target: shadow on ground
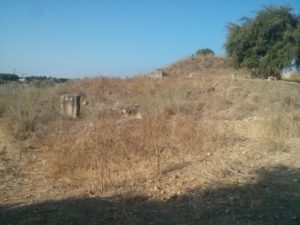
[273, 199]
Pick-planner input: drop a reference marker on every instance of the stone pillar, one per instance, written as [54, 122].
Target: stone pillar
[70, 105]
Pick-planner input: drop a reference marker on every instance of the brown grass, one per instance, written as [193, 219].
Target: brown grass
[107, 153]
[181, 119]
[27, 109]
[208, 133]
[295, 77]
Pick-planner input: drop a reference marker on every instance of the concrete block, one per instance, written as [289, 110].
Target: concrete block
[70, 105]
[158, 74]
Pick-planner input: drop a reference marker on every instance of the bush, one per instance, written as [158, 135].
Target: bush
[9, 77]
[205, 52]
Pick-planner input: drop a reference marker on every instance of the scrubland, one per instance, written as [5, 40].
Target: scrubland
[213, 148]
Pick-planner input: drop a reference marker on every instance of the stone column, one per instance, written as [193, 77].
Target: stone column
[70, 105]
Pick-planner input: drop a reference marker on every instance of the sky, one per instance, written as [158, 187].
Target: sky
[80, 38]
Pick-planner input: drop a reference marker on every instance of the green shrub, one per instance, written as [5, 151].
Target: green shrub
[204, 52]
[9, 77]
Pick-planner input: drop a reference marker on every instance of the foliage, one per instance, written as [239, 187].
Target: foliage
[37, 81]
[8, 77]
[204, 52]
[44, 80]
[266, 44]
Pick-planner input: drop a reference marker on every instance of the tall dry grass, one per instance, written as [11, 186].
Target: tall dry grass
[183, 120]
[26, 109]
[293, 76]
[111, 151]
[105, 154]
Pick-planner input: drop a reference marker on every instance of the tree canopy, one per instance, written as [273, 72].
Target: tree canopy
[9, 77]
[267, 43]
[204, 52]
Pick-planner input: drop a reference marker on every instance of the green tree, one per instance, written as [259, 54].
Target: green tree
[267, 43]
[204, 52]
[9, 77]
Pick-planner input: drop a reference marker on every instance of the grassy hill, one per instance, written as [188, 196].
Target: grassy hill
[212, 148]
[199, 64]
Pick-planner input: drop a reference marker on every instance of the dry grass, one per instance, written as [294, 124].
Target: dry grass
[295, 77]
[26, 110]
[182, 119]
[196, 139]
[204, 65]
[108, 153]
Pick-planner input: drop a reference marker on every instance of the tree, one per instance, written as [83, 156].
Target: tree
[204, 52]
[9, 77]
[266, 44]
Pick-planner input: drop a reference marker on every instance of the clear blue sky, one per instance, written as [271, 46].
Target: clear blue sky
[76, 38]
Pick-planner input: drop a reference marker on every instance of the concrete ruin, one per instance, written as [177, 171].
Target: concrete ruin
[158, 74]
[270, 78]
[70, 105]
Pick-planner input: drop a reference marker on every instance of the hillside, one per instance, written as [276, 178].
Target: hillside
[213, 65]
[211, 148]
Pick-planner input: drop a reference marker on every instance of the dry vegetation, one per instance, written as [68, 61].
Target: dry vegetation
[295, 77]
[209, 149]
